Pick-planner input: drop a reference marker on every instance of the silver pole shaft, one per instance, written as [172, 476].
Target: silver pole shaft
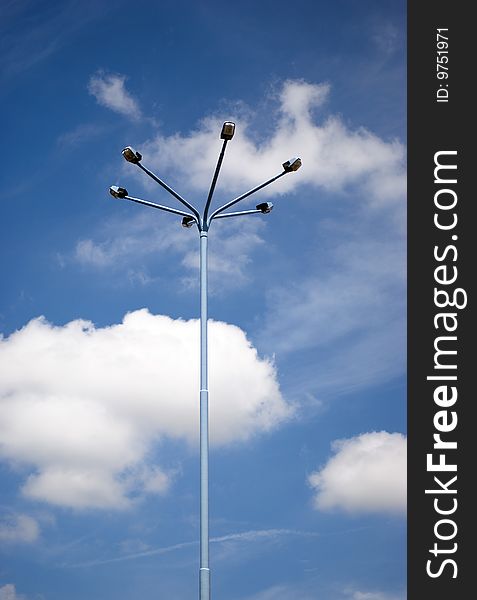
[204, 572]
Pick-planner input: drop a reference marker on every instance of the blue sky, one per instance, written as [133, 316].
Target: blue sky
[99, 303]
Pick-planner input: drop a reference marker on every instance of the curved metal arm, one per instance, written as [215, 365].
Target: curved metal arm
[237, 214]
[249, 193]
[214, 181]
[171, 191]
[160, 207]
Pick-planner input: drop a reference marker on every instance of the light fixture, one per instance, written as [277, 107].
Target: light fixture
[292, 165]
[265, 207]
[131, 155]
[228, 130]
[118, 192]
[187, 222]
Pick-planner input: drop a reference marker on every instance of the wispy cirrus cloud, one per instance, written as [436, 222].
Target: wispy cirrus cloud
[78, 135]
[350, 314]
[386, 36]
[375, 595]
[109, 89]
[18, 528]
[48, 30]
[253, 536]
[133, 244]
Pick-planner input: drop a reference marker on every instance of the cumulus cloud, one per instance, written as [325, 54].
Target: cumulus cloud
[18, 528]
[109, 90]
[335, 156]
[366, 474]
[83, 406]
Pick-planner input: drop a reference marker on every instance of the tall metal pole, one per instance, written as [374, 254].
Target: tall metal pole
[204, 572]
[203, 225]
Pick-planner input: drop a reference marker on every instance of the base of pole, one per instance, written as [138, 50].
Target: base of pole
[204, 584]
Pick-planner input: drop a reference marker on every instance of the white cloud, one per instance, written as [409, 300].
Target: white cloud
[357, 595]
[87, 252]
[134, 242]
[18, 528]
[313, 591]
[135, 239]
[351, 314]
[282, 592]
[80, 134]
[363, 283]
[366, 474]
[335, 157]
[9, 592]
[230, 540]
[386, 37]
[83, 406]
[109, 90]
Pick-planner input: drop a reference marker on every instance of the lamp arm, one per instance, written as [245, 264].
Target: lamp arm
[160, 207]
[243, 196]
[214, 181]
[170, 190]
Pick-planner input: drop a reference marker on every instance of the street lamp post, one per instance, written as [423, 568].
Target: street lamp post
[203, 222]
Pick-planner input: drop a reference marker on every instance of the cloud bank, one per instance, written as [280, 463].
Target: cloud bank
[82, 406]
[366, 474]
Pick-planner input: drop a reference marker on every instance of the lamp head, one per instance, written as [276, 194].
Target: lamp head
[131, 155]
[118, 192]
[188, 222]
[228, 130]
[292, 165]
[265, 207]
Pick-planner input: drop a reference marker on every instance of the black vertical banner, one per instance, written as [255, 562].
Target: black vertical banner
[441, 51]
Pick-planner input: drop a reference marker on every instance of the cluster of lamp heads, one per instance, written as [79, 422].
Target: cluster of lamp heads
[264, 207]
[227, 133]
